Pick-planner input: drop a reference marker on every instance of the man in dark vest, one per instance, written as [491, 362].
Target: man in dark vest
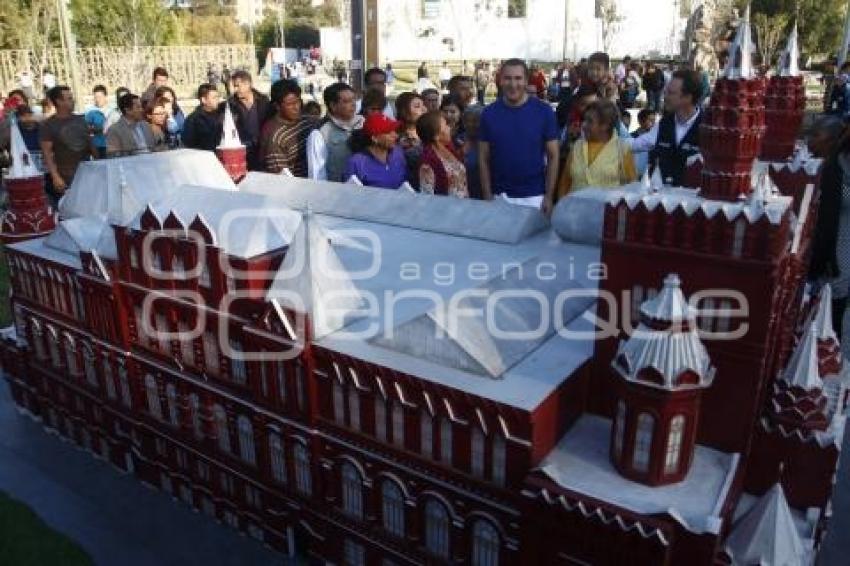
[327, 146]
[675, 137]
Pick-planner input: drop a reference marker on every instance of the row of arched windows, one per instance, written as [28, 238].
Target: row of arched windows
[177, 270]
[436, 433]
[47, 286]
[436, 523]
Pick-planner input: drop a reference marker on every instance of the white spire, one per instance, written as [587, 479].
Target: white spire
[230, 136]
[802, 370]
[766, 534]
[670, 304]
[823, 316]
[789, 60]
[656, 182]
[22, 163]
[740, 63]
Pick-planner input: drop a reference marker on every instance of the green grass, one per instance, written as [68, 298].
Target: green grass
[26, 541]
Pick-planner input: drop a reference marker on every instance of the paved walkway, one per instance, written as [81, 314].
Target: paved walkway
[120, 522]
[115, 518]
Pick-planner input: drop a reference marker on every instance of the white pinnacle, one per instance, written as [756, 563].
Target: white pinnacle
[740, 63]
[230, 136]
[789, 60]
[22, 163]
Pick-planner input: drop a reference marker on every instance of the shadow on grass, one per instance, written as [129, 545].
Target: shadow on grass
[25, 540]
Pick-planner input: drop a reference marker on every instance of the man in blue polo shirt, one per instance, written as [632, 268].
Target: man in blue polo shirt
[518, 151]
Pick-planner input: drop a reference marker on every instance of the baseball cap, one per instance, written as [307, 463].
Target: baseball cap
[377, 123]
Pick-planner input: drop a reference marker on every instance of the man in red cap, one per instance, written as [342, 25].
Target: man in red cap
[377, 161]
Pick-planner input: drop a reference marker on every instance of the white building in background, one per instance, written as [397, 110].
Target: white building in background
[249, 12]
[548, 30]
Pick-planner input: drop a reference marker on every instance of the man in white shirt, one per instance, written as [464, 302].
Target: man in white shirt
[327, 146]
[675, 137]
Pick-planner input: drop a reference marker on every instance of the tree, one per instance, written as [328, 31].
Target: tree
[819, 22]
[122, 23]
[208, 30]
[770, 33]
[610, 18]
[29, 24]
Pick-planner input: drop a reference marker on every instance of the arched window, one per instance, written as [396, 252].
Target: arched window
[674, 444]
[195, 407]
[124, 384]
[499, 460]
[238, 371]
[446, 448]
[171, 399]
[380, 418]
[162, 334]
[134, 258]
[187, 345]
[38, 339]
[71, 355]
[303, 479]
[300, 386]
[436, 529]
[354, 407]
[277, 457]
[485, 544]
[280, 371]
[392, 508]
[108, 378]
[211, 362]
[477, 451]
[352, 491]
[246, 440]
[177, 267]
[205, 280]
[339, 402]
[53, 344]
[88, 361]
[398, 424]
[152, 393]
[620, 428]
[426, 433]
[643, 442]
[221, 431]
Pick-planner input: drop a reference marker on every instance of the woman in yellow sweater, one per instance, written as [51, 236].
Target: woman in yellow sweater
[599, 158]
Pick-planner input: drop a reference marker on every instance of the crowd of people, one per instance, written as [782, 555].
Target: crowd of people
[536, 142]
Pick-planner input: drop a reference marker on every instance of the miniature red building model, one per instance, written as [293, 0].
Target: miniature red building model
[367, 376]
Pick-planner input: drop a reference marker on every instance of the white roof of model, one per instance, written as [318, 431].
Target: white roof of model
[496, 221]
[763, 201]
[581, 462]
[789, 60]
[740, 63]
[822, 319]
[766, 534]
[243, 225]
[89, 234]
[487, 337]
[671, 350]
[312, 280]
[230, 135]
[22, 164]
[121, 187]
[802, 370]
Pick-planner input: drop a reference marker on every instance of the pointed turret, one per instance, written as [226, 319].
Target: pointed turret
[23, 166]
[229, 135]
[732, 129]
[799, 402]
[27, 214]
[230, 152]
[766, 534]
[785, 104]
[663, 368]
[740, 63]
[789, 60]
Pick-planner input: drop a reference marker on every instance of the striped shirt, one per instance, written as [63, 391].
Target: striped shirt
[283, 144]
